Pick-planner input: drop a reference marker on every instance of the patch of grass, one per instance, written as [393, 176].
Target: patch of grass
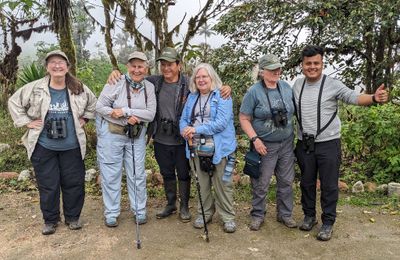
[365, 199]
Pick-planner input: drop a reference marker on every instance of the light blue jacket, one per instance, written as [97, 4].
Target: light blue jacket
[220, 125]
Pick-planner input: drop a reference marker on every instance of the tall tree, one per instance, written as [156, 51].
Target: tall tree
[60, 15]
[82, 29]
[361, 37]
[156, 13]
[13, 15]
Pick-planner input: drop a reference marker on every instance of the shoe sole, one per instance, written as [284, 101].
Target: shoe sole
[308, 229]
[287, 225]
[202, 226]
[158, 216]
[111, 225]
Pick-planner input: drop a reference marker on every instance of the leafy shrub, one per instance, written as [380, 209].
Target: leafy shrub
[371, 143]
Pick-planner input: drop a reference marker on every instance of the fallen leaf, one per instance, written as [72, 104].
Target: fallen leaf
[34, 216]
[394, 212]
[307, 235]
[372, 220]
[367, 212]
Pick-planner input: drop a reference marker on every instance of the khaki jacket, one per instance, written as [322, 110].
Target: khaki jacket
[32, 102]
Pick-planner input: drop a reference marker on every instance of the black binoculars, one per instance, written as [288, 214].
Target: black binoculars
[133, 131]
[279, 116]
[308, 142]
[56, 128]
[168, 127]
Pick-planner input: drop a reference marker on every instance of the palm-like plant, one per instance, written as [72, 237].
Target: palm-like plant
[30, 73]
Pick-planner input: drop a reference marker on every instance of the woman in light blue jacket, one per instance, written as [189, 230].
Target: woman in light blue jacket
[207, 119]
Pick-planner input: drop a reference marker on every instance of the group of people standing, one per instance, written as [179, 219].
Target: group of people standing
[191, 123]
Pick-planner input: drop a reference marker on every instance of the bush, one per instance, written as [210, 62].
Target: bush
[371, 143]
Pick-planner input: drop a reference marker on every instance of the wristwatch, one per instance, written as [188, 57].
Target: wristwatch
[374, 99]
[253, 138]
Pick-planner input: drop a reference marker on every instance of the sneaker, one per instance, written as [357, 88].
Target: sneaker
[199, 223]
[287, 221]
[325, 233]
[111, 222]
[49, 228]
[256, 223]
[308, 223]
[74, 225]
[230, 226]
[141, 219]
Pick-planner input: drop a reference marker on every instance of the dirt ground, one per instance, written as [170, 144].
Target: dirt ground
[355, 235]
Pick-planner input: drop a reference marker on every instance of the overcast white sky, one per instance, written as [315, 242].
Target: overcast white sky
[177, 12]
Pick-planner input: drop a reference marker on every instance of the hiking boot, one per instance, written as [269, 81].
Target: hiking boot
[256, 223]
[184, 193]
[230, 226]
[287, 221]
[199, 223]
[49, 228]
[170, 194]
[74, 225]
[308, 223]
[141, 219]
[325, 233]
[111, 222]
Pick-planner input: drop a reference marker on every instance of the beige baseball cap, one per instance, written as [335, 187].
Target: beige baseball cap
[56, 53]
[137, 55]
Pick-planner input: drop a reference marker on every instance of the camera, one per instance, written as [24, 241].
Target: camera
[133, 131]
[56, 128]
[168, 127]
[308, 142]
[279, 117]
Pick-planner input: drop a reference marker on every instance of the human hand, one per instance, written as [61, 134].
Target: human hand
[225, 91]
[82, 121]
[133, 120]
[117, 113]
[35, 124]
[260, 147]
[114, 77]
[188, 132]
[381, 95]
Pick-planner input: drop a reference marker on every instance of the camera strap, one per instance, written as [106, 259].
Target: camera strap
[269, 101]
[319, 129]
[202, 111]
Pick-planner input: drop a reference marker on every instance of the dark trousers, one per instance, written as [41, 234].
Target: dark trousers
[55, 170]
[325, 160]
[171, 158]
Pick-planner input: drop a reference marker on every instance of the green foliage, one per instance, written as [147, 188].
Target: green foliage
[371, 146]
[360, 36]
[30, 73]
[94, 74]
[236, 71]
[13, 159]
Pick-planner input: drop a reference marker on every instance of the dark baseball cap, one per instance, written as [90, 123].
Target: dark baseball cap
[169, 54]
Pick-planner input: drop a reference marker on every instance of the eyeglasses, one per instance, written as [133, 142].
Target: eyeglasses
[59, 63]
[201, 77]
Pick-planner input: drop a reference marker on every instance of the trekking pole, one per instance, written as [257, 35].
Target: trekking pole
[192, 154]
[138, 242]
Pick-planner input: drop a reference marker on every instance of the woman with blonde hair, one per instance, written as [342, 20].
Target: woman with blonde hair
[207, 119]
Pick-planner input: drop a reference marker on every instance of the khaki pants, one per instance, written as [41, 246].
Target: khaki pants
[215, 193]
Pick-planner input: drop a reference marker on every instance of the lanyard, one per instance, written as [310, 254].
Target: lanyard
[193, 118]
[269, 101]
